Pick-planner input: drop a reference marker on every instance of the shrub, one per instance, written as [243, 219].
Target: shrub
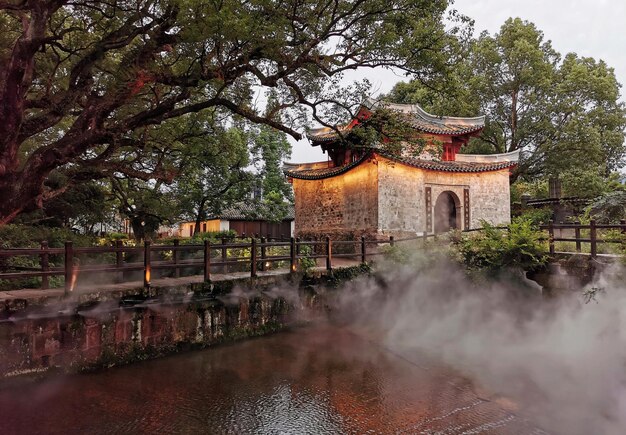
[26, 236]
[397, 253]
[306, 263]
[493, 249]
[537, 216]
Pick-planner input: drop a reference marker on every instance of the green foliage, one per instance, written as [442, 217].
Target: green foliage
[212, 236]
[271, 148]
[492, 249]
[343, 274]
[587, 182]
[398, 253]
[558, 112]
[117, 236]
[128, 69]
[390, 132]
[537, 216]
[609, 208]
[306, 263]
[213, 173]
[22, 236]
[536, 189]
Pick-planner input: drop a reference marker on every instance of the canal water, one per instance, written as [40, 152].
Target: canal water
[318, 379]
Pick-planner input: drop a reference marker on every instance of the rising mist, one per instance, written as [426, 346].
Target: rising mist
[562, 360]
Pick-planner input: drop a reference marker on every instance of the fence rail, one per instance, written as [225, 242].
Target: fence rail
[252, 255]
[204, 259]
[593, 238]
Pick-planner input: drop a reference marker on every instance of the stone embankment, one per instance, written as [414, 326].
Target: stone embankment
[42, 331]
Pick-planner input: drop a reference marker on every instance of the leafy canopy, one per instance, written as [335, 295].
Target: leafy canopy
[560, 112]
[83, 82]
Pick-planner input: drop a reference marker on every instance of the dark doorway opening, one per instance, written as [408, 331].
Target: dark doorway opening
[445, 212]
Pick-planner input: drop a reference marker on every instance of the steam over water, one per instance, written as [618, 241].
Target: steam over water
[415, 350]
[563, 361]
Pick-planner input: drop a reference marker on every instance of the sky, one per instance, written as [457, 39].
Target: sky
[592, 28]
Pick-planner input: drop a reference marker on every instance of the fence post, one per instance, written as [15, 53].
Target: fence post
[253, 258]
[43, 259]
[146, 264]
[297, 245]
[363, 250]
[391, 241]
[175, 258]
[329, 254]
[69, 263]
[622, 225]
[225, 255]
[119, 261]
[577, 236]
[207, 260]
[263, 252]
[551, 236]
[593, 237]
[293, 254]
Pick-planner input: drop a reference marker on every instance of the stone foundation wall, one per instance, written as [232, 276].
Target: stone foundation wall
[109, 335]
[103, 329]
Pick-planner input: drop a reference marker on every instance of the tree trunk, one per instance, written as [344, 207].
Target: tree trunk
[200, 216]
[19, 192]
[513, 146]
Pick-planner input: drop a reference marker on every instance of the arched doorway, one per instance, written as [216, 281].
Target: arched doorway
[446, 212]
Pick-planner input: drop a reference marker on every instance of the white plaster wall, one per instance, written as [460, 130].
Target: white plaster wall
[401, 199]
[489, 194]
[402, 202]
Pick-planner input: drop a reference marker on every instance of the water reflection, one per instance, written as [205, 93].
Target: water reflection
[315, 380]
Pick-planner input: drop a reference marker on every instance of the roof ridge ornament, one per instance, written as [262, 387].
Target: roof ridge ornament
[415, 115]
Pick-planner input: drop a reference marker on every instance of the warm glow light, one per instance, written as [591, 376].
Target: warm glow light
[73, 278]
[148, 274]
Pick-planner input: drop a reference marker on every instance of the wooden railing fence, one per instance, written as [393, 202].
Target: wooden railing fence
[592, 237]
[254, 255]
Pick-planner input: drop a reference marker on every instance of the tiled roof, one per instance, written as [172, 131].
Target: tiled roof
[249, 211]
[451, 166]
[429, 165]
[326, 134]
[320, 173]
[429, 123]
[413, 114]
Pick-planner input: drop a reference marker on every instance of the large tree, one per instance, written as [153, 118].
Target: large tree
[80, 80]
[561, 113]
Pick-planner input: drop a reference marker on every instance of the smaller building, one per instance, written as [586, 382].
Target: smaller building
[243, 218]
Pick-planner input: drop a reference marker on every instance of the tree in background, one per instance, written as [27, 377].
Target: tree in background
[213, 173]
[147, 205]
[561, 113]
[271, 148]
[80, 81]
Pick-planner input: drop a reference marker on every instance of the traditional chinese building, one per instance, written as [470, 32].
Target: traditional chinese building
[366, 190]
